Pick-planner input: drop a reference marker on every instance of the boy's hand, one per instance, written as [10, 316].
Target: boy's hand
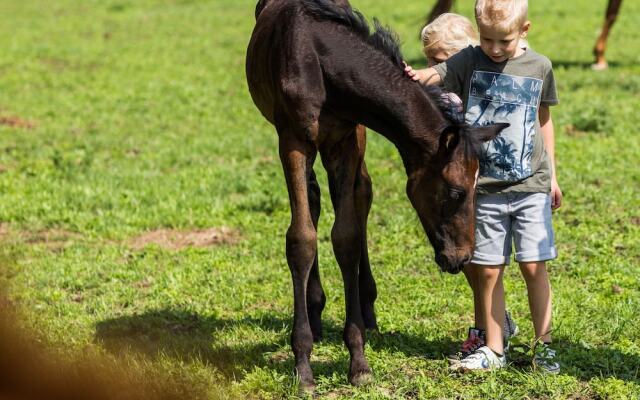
[556, 195]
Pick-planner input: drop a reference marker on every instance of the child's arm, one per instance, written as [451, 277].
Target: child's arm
[548, 135]
[427, 76]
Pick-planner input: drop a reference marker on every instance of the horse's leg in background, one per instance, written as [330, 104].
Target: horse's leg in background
[441, 7]
[342, 163]
[315, 294]
[297, 157]
[601, 44]
[363, 196]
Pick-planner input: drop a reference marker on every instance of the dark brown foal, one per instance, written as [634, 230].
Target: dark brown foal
[318, 75]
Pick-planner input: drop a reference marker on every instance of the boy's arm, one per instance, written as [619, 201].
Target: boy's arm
[427, 76]
[548, 135]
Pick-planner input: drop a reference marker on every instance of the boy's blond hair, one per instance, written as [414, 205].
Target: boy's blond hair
[504, 15]
[450, 33]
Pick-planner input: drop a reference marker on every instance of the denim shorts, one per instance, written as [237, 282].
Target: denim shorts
[521, 218]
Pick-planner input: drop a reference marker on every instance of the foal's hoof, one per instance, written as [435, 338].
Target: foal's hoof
[361, 378]
[306, 388]
[306, 383]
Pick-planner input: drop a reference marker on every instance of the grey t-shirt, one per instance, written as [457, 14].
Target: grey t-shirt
[512, 92]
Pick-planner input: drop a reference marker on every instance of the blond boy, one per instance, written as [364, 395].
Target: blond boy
[500, 81]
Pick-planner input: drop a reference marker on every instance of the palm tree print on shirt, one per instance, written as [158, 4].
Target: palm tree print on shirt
[496, 97]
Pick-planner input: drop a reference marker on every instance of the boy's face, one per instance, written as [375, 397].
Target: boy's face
[500, 46]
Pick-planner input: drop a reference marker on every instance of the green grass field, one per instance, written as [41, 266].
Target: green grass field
[126, 116]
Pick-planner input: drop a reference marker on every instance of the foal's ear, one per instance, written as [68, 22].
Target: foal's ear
[449, 138]
[488, 132]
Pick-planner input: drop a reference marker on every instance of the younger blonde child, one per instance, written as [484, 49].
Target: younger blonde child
[445, 36]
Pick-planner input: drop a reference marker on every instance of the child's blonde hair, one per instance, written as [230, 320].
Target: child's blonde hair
[504, 15]
[450, 33]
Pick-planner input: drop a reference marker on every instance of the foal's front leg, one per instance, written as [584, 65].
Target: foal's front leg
[297, 158]
[341, 162]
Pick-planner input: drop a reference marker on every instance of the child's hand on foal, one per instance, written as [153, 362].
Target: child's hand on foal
[427, 76]
[410, 72]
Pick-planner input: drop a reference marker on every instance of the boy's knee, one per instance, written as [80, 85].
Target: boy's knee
[488, 272]
[533, 270]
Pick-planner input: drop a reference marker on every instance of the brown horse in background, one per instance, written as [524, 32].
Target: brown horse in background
[316, 72]
[601, 44]
[613, 7]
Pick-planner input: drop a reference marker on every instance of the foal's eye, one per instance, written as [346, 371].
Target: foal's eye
[456, 194]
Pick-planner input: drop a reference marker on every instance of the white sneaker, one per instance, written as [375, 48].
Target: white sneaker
[475, 340]
[483, 359]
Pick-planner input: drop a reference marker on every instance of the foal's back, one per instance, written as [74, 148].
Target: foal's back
[283, 69]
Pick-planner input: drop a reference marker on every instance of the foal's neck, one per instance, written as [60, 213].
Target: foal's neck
[376, 93]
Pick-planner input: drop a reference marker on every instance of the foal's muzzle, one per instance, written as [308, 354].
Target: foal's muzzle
[452, 265]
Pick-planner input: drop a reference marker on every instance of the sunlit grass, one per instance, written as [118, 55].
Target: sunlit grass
[141, 120]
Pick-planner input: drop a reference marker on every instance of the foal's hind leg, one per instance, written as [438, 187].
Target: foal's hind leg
[341, 162]
[296, 156]
[315, 294]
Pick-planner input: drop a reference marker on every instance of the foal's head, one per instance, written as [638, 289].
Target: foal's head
[441, 188]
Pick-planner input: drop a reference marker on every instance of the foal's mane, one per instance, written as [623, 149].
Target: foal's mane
[386, 41]
[382, 39]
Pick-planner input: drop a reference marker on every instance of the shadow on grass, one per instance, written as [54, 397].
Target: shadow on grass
[586, 362]
[235, 346]
[189, 337]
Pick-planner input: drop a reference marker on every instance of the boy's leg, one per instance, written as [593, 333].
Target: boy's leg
[534, 242]
[484, 273]
[491, 301]
[491, 296]
[492, 252]
[510, 327]
[539, 292]
[492, 249]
